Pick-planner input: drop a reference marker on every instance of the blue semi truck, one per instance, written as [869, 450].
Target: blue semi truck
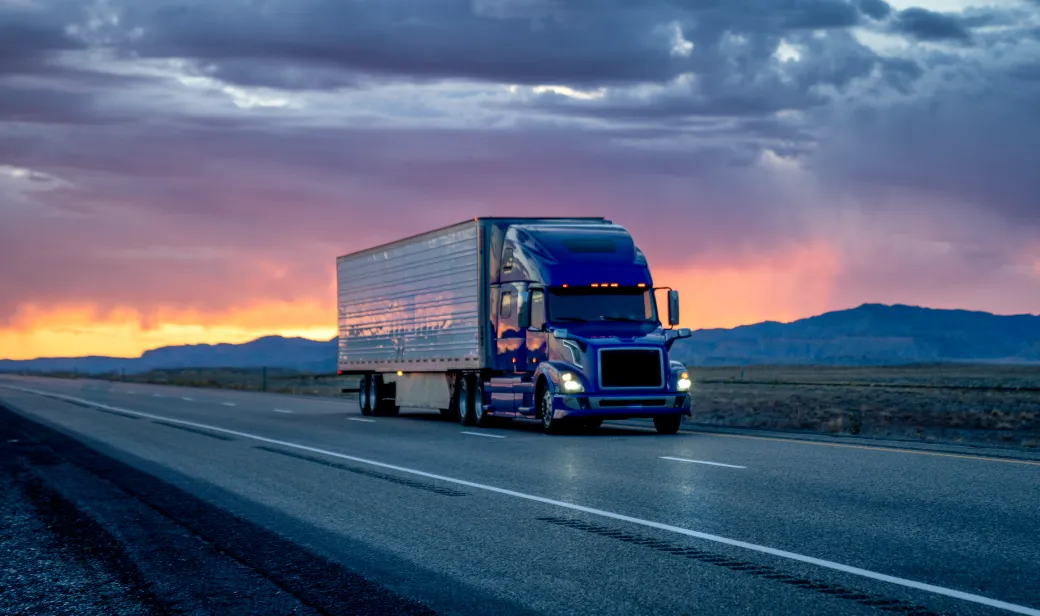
[553, 319]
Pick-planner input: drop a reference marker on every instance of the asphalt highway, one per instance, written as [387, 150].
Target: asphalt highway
[624, 521]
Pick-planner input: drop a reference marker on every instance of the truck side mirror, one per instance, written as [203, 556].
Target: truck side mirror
[523, 311]
[673, 307]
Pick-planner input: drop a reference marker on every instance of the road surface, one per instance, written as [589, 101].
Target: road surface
[511, 521]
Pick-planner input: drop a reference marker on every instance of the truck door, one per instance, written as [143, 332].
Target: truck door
[510, 338]
[535, 351]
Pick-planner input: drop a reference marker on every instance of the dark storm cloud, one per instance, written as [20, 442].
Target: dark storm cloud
[925, 25]
[875, 9]
[29, 37]
[746, 80]
[524, 42]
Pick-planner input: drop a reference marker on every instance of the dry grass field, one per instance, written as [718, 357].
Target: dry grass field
[980, 404]
[976, 404]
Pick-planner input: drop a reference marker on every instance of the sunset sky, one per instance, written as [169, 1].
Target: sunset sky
[187, 171]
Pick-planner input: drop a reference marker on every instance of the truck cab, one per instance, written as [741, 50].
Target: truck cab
[578, 334]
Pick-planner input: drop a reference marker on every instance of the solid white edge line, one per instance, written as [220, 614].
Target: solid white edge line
[701, 462]
[282, 411]
[482, 434]
[819, 562]
[361, 419]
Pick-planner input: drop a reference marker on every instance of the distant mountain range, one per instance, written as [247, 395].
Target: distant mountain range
[271, 351]
[872, 334]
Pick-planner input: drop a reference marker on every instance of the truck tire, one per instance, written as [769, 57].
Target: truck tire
[363, 401]
[466, 417]
[549, 423]
[480, 419]
[452, 412]
[668, 424]
[381, 405]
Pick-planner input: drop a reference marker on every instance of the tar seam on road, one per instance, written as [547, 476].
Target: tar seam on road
[219, 437]
[358, 471]
[482, 434]
[762, 571]
[700, 462]
[826, 564]
[871, 448]
[110, 412]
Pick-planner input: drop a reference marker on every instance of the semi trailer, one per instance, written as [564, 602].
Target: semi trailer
[551, 319]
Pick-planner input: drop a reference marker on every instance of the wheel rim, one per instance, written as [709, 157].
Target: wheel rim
[373, 394]
[547, 410]
[363, 395]
[463, 401]
[478, 402]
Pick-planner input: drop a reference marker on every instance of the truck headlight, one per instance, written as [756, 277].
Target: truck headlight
[571, 384]
[684, 382]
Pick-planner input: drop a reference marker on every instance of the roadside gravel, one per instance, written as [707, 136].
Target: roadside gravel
[42, 570]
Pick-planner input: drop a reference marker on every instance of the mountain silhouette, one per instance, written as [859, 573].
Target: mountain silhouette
[871, 334]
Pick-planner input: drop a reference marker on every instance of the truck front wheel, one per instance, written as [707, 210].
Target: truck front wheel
[549, 423]
[668, 424]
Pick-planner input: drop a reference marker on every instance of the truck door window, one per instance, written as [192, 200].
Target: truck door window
[507, 304]
[537, 309]
[507, 260]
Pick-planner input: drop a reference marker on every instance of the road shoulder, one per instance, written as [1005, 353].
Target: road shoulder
[142, 546]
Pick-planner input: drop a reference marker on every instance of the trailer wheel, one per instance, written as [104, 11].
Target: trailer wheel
[480, 419]
[466, 415]
[668, 424]
[363, 401]
[381, 405]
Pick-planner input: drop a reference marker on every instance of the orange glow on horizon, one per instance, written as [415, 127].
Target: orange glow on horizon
[124, 332]
[783, 287]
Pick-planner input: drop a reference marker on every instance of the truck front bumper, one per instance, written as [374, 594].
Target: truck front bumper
[620, 407]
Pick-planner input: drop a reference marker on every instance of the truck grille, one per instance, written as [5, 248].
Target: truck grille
[629, 368]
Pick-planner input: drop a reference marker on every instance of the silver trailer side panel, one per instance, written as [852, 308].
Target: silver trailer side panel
[413, 305]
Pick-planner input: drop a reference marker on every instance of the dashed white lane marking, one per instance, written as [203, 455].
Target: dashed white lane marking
[701, 462]
[762, 549]
[187, 399]
[482, 434]
[228, 403]
[283, 411]
[361, 419]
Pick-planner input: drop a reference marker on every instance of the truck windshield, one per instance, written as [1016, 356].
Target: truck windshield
[634, 305]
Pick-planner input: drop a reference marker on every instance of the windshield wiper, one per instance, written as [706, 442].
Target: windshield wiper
[625, 319]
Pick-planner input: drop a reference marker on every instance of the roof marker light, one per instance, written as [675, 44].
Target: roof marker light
[613, 284]
[641, 285]
[565, 286]
[595, 285]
